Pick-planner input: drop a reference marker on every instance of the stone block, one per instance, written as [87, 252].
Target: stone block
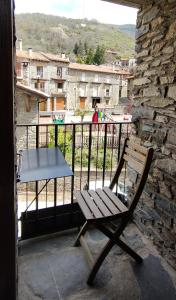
[162, 203]
[165, 189]
[172, 92]
[167, 165]
[166, 80]
[150, 15]
[141, 31]
[142, 54]
[168, 50]
[151, 91]
[159, 102]
[146, 127]
[172, 31]
[151, 73]
[142, 67]
[156, 23]
[141, 112]
[171, 138]
[161, 119]
[141, 81]
[158, 47]
[156, 63]
[160, 135]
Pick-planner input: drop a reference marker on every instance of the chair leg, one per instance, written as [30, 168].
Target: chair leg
[130, 251]
[82, 232]
[99, 261]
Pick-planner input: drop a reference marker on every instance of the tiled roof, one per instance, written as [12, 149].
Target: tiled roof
[30, 90]
[91, 68]
[34, 55]
[55, 57]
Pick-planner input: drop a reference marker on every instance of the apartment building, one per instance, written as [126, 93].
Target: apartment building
[70, 86]
[46, 72]
[90, 86]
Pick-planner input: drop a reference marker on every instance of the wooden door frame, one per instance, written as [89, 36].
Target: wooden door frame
[8, 266]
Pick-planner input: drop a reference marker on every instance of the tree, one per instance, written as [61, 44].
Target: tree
[80, 59]
[75, 50]
[99, 56]
[90, 57]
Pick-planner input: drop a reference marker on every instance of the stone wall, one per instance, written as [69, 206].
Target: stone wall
[155, 115]
[26, 136]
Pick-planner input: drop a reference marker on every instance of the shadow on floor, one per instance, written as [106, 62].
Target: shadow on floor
[51, 268]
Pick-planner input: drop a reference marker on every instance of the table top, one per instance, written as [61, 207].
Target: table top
[42, 163]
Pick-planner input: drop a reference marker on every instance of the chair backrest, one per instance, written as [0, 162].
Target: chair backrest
[139, 158]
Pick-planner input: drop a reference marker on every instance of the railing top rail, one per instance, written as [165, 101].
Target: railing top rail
[76, 123]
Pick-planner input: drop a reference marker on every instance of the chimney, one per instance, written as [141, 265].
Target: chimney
[30, 51]
[20, 42]
[63, 55]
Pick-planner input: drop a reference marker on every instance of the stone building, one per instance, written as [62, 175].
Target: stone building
[154, 114]
[46, 72]
[69, 85]
[27, 112]
[90, 85]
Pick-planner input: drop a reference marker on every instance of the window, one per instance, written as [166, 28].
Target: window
[96, 78]
[107, 101]
[107, 92]
[83, 76]
[40, 86]
[60, 85]
[40, 71]
[59, 72]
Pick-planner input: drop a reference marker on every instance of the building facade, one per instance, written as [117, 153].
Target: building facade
[90, 86]
[70, 86]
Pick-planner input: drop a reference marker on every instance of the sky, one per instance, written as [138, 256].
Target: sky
[102, 11]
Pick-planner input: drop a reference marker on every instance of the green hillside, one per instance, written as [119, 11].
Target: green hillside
[58, 34]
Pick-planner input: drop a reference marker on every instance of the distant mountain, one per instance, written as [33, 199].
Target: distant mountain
[58, 34]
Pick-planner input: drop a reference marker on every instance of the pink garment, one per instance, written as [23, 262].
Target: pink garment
[95, 117]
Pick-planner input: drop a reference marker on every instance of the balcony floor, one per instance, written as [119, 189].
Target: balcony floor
[51, 268]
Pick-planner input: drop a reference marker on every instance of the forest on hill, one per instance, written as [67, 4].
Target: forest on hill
[59, 34]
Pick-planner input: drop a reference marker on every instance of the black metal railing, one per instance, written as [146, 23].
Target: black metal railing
[92, 151]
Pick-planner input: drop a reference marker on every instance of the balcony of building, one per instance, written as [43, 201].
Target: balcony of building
[154, 114]
[49, 266]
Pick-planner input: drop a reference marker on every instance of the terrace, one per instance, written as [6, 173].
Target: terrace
[48, 225]
[49, 267]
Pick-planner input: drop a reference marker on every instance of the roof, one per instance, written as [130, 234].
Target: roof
[30, 90]
[130, 3]
[24, 54]
[92, 68]
[55, 57]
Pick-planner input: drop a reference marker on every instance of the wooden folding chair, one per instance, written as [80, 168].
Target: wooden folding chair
[102, 206]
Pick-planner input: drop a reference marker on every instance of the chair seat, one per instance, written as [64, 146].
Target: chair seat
[100, 204]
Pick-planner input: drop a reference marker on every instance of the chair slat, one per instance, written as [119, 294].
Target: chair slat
[140, 157]
[90, 203]
[115, 199]
[85, 209]
[134, 163]
[137, 147]
[100, 204]
[107, 201]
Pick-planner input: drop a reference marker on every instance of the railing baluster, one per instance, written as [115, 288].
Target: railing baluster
[89, 154]
[81, 147]
[55, 179]
[97, 150]
[104, 155]
[73, 160]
